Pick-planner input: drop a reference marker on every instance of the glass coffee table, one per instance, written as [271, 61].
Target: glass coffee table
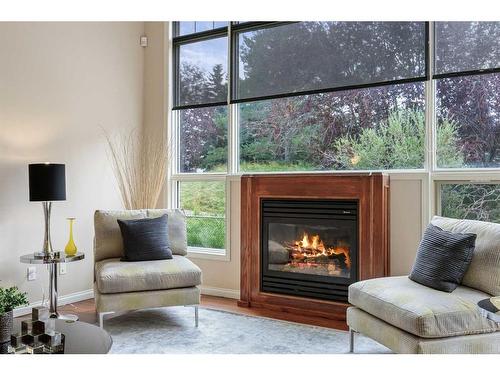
[80, 337]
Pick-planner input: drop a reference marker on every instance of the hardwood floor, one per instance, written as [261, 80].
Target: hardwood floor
[86, 311]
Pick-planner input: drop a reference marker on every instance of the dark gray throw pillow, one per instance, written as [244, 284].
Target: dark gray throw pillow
[443, 258]
[145, 239]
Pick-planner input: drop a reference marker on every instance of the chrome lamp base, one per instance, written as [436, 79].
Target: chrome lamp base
[47, 243]
[49, 253]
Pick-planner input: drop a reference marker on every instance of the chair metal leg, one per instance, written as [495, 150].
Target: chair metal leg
[196, 316]
[101, 317]
[351, 340]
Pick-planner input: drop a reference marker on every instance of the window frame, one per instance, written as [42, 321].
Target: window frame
[430, 176]
[436, 176]
[176, 30]
[206, 252]
[175, 177]
[179, 41]
[434, 170]
[483, 179]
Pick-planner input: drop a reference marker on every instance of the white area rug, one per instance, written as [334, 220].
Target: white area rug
[171, 330]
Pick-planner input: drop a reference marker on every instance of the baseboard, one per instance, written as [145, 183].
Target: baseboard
[62, 300]
[88, 294]
[220, 292]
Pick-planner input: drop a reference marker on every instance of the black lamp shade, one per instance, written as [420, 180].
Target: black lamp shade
[47, 182]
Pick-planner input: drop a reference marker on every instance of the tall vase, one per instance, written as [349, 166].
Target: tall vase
[70, 248]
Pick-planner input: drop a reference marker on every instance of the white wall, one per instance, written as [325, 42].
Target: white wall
[406, 218]
[155, 95]
[59, 82]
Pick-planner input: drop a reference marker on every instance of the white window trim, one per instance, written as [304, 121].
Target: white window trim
[173, 175]
[206, 253]
[430, 176]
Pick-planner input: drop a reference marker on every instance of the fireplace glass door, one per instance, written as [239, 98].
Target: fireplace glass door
[309, 247]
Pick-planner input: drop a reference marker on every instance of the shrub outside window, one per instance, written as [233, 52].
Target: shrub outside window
[365, 129]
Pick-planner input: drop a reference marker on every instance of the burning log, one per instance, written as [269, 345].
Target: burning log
[312, 250]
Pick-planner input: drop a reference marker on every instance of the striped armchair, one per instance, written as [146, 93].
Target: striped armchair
[411, 318]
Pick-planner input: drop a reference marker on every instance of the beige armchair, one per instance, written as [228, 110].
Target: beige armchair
[125, 286]
[408, 317]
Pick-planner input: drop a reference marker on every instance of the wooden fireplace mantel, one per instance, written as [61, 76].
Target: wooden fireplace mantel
[371, 190]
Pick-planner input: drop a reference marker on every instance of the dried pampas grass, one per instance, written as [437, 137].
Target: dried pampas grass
[140, 166]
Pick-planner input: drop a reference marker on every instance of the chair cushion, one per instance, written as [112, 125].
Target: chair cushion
[484, 270]
[420, 310]
[108, 241]
[113, 276]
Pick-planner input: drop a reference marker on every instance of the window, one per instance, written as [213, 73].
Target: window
[335, 96]
[476, 201]
[191, 27]
[467, 103]
[340, 101]
[200, 124]
[373, 128]
[202, 72]
[204, 205]
[203, 140]
[468, 121]
[304, 56]
[467, 73]
[466, 46]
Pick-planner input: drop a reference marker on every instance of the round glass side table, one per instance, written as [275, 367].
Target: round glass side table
[53, 260]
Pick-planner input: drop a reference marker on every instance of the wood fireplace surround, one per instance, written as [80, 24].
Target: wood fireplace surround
[370, 190]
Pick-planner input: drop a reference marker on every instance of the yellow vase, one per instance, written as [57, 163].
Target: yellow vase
[70, 248]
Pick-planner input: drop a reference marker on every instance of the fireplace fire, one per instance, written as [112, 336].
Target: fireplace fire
[311, 255]
[309, 247]
[313, 251]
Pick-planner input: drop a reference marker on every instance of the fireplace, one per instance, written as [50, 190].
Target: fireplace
[306, 237]
[309, 247]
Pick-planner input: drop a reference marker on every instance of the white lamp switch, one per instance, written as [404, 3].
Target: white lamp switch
[31, 274]
[62, 269]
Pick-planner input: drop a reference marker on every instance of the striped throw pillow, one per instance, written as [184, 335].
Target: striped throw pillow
[442, 258]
